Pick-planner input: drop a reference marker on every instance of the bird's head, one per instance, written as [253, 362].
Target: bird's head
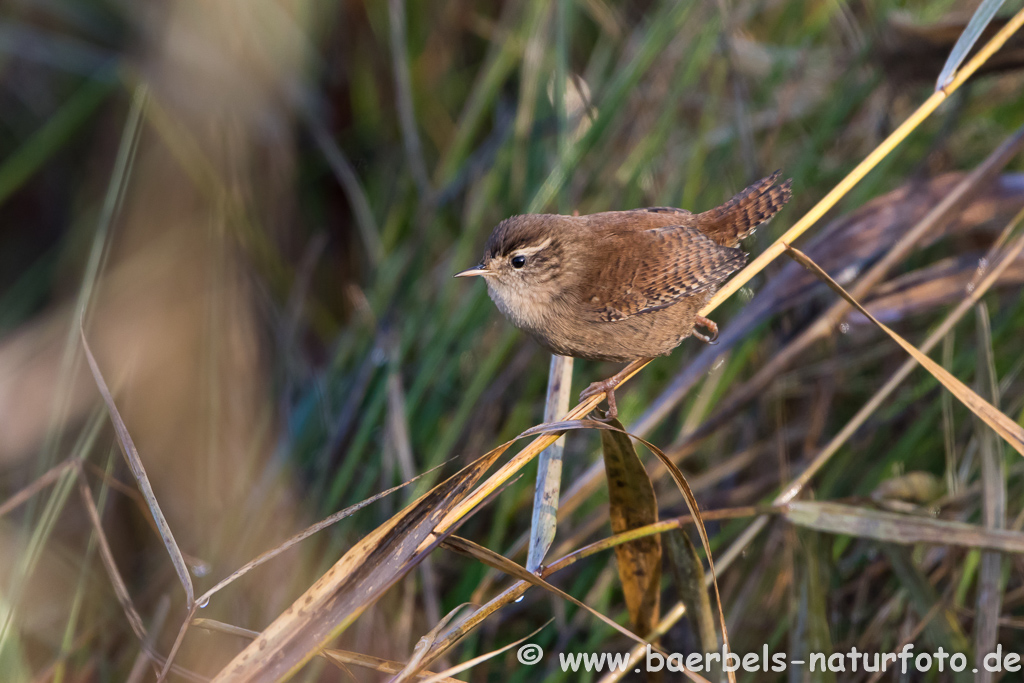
[522, 263]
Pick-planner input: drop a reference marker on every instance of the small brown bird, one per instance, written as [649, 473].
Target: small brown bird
[620, 286]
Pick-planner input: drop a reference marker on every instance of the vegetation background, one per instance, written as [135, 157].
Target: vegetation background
[257, 208]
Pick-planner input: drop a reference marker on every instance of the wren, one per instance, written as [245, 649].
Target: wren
[620, 286]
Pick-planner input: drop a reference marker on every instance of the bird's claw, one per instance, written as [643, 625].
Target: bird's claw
[606, 387]
[711, 326]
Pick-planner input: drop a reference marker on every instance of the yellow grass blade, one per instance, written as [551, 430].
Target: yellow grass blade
[1012, 432]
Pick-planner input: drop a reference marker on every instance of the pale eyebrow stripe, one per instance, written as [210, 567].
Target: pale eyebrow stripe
[527, 251]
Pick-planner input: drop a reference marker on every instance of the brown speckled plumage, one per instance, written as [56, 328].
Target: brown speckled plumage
[620, 285]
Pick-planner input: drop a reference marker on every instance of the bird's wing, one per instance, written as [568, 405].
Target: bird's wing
[648, 270]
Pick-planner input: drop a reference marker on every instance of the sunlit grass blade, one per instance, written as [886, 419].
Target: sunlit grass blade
[1009, 430]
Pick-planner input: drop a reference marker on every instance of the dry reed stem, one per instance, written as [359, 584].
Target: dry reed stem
[120, 589]
[337, 656]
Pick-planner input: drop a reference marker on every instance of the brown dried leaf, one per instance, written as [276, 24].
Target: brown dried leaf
[632, 504]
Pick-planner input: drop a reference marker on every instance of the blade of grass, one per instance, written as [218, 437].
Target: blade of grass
[893, 527]
[989, 599]
[983, 15]
[1009, 430]
[120, 589]
[422, 648]
[809, 630]
[493, 559]
[403, 92]
[112, 201]
[349, 181]
[948, 427]
[691, 585]
[138, 670]
[36, 486]
[549, 465]
[84, 582]
[131, 455]
[943, 631]
[469, 664]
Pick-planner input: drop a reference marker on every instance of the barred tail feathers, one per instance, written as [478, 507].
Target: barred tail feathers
[738, 217]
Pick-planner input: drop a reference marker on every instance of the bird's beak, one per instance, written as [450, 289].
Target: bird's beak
[479, 270]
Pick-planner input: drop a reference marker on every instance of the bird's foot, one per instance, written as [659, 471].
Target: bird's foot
[710, 326]
[606, 387]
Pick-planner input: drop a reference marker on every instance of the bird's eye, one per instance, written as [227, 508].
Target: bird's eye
[518, 261]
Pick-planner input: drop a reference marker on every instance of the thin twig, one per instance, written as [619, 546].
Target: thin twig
[36, 486]
[299, 537]
[156, 626]
[120, 589]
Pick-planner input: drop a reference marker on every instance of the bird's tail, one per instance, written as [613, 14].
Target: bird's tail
[738, 217]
